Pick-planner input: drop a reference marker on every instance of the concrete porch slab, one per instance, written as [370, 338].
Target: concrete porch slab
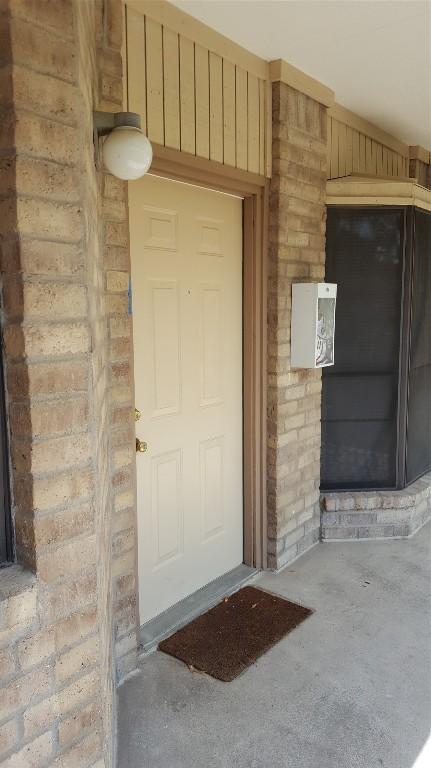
[349, 688]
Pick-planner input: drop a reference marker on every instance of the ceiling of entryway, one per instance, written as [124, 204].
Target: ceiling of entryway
[375, 54]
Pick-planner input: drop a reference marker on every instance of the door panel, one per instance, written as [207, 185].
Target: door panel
[165, 344]
[186, 246]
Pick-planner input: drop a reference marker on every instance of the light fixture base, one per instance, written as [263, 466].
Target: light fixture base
[105, 122]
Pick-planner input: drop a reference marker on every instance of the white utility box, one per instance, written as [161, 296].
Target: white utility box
[313, 324]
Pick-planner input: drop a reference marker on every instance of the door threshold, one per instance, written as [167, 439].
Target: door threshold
[154, 631]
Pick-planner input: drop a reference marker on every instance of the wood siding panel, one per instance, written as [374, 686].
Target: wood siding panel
[356, 160]
[350, 151]
[389, 162]
[216, 108]
[374, 157]
[362, 154]
[229, 110]
[253, 124]
[187, 95]
[262, 127]
[196, 98]
[368, 163]
[241, 119]
[385, 161]
[334, 150]
[202, 87]
[342, 145]
[379, 160]
[155, 111]
[137, 82]
[171, 88]
[201, 101]
[328, 146]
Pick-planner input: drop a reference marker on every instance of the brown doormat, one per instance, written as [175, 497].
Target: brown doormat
[232, 635]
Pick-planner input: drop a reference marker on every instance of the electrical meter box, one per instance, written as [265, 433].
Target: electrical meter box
[313, 325]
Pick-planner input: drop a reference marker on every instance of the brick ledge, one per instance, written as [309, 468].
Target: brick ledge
[14, 580]
[376, 514]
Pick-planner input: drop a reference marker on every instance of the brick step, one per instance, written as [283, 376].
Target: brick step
[340, 532]
[376, 514]
[379, 517]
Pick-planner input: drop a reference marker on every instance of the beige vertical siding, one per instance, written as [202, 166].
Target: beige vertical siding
[171, 88]
[198, 92]
[351, 150]
[193, 98]
[229, 113]
[202, 97]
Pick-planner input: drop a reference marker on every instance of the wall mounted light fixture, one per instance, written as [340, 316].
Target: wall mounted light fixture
[126, 152]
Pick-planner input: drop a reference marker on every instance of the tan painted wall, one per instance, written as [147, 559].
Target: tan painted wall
[356, 146]
[208, 98]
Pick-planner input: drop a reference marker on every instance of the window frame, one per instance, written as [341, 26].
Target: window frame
[6, 542]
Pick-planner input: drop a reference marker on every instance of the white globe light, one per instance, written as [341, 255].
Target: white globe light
[127, 153]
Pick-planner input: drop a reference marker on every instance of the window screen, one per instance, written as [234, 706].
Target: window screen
[360, 392]
[419, 392]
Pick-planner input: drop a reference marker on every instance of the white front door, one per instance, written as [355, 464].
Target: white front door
[186, 250]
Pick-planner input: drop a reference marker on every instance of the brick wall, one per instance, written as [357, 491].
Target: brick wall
[297, 254]
[64, 277]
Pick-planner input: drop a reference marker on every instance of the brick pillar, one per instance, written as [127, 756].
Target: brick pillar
[64, 266]
[297, 254]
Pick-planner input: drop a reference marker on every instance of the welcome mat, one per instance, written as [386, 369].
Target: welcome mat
[232, 635]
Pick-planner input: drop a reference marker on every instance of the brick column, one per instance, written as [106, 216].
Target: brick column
[297, 254]
[64, 277]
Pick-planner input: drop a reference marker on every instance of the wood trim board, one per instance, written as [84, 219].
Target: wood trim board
[366, 191]
[281, 71]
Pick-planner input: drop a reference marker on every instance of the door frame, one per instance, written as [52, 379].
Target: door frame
[180, 166]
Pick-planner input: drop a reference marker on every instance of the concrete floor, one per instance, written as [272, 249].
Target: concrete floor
[349, 688]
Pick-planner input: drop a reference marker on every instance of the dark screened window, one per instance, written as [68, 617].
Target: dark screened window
[376, 400]
[360, 392]
[419, 386]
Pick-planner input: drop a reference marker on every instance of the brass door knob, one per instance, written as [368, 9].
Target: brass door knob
[138, 414]
[141, 446]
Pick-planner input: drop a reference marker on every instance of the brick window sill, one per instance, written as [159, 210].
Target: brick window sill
[18, 601]
[15, 579]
